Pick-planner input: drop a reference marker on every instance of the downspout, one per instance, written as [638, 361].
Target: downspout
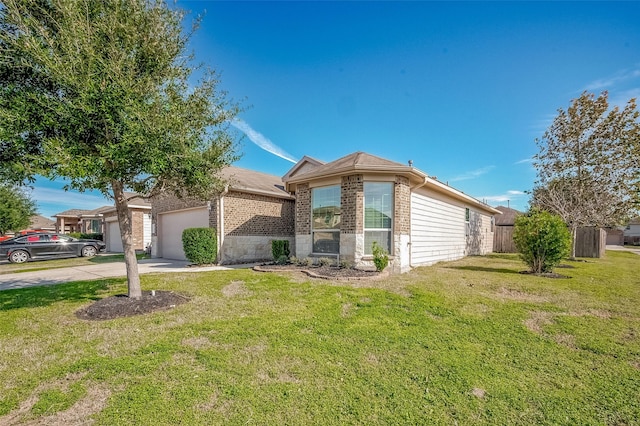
[221, 221]
[413, 188]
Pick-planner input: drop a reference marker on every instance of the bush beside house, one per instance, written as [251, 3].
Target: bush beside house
[199, 245]
[542, 239]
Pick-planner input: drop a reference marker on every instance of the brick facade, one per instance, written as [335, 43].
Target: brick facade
[251, 214]
[402, 206]
[303, 210]
[137, 226]
[251, 222]
[351, 208]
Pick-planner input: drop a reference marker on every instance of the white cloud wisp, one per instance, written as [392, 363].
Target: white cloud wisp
[261, 140]
[510, 195]
[614, 80]
[472, 174]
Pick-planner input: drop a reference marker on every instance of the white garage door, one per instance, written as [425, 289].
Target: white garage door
[114, 241]
[171, 226]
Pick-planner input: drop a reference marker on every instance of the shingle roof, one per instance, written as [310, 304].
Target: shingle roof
[362, 162]
[136, 199]
[41, 222]
[508, 216]
[251, 181]
[71, 213]
[356, 162]
[98, 211]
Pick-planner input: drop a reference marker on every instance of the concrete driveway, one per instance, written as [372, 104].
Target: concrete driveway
[103, 270]
[621, 248]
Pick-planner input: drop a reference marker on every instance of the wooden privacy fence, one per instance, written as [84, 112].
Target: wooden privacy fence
[590, 242]
[503, 240]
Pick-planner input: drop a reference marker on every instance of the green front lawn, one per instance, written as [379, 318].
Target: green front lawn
[467, 342]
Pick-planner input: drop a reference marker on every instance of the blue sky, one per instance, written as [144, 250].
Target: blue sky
[462, 89]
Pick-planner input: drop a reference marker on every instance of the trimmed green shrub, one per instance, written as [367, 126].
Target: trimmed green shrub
[279, 248]
[325, 261]
[200, 245]
[542, 239]
[380, 257]
[82, 235]
[282, 260]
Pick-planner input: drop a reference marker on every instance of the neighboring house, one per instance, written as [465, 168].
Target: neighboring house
[248, 214]
[140, 210]
[79, 220]
[104, 220]
[615, 236]
[342, 207]
[632, 232]
[41, 223]
[503, 235]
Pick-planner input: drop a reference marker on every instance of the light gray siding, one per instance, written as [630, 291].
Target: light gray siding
[439, 231]
[437, 228]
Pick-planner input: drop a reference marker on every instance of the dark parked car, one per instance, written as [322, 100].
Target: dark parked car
[44, 246]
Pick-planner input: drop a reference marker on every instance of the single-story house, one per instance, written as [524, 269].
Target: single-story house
[140, 210]
[342, 207]
[80, 220]
[104, 220]
[41, 223]
[335, 209]
[248, 214]
[632, 232]
[615, 236]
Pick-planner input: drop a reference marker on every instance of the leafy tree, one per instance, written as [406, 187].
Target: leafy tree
[542, 239]
[588, 164]
[16, 209]
[101, 93]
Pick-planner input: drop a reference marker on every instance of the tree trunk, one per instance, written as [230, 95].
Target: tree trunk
[130, 260]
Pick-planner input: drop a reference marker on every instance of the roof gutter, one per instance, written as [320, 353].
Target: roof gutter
[220, 218]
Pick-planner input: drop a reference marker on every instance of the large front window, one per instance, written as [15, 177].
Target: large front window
[325, 221]
[378, 215]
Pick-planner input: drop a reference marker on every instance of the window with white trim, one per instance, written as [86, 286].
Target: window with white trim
[467, 225]
[378, 215]
[325, 219]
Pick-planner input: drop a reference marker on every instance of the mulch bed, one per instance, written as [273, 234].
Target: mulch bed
[120, 306]
[324, 272]
[545, 274]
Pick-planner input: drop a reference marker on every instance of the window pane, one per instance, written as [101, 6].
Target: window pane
[326, 207]
[326, 242]
[383, 238]
[378, 205]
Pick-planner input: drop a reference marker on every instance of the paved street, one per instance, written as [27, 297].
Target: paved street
[104, 270]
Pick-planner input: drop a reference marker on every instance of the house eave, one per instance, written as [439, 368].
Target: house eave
[283, 195]
[438, 186]
[413, 174]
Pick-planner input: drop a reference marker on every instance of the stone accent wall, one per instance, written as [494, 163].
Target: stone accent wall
[352, 204]
[402, 206]
[244, 249]
[303, 210]
[258, 215]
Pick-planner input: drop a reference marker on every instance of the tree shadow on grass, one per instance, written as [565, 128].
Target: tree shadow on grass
[484, 269]
[32, 297]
